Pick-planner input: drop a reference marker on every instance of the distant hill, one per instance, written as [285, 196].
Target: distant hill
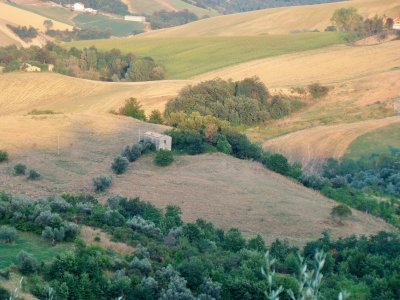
[279, 20]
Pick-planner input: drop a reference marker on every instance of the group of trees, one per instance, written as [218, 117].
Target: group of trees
[24, 32]
[85, 33]
[89, 63]
[350, 21]
[177, 260]
[242, 102]
[164, 19]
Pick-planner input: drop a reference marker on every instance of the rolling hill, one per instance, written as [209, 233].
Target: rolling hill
[23, 92]
[278, 20]
[219, 188]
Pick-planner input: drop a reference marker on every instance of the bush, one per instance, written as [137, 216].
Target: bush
[164, 158]
[133, 109]
[33, 175]
[19, 169]
[120, 164]
[102, 183]
[341, 212]
[318, 91]
[156, 117]
[8, 234]
[26, 263]
[3, 155]
[277, 163]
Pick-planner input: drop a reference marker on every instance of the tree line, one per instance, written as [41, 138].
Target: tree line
[89, 63]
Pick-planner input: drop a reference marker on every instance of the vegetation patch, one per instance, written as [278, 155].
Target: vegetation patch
[37, 112]
[3, 156]
[164, 158]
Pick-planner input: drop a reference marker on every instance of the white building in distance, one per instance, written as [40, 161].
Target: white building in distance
[78, 7]
[161, 141]
[140, 19]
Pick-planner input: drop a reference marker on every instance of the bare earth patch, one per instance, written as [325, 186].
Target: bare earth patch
[88, 234]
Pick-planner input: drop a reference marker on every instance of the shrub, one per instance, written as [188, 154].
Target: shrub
[133, 109]
[164, 158]
[318, 91]
[8, 234]
[3, 155]
[156, 117]
[102, 183]
[33, 175]
[19, 169]
[120, 164]
[341, 212]
[277, 163]
[135, 152]
[26, 263]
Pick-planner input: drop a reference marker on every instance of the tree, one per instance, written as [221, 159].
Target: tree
[33, 175]
[3, 155]
[48, 24]
[347, 19]
[19, 169]
[234, 240]
[133, 109]
[26, 263]
[8, 234]
[341, 212]
[120, 164]
[101, 183]
[156, 117]
[164, 158]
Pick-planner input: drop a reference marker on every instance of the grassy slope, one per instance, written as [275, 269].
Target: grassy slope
[30, 243]
[151, 6]
[187, 57]
[377, 141]
[278, 20]
[118, 27]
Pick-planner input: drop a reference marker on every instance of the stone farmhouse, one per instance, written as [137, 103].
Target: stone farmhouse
[161, 141]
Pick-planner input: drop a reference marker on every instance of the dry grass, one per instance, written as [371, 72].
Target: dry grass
[23, 92]
[326, 65]
[13, 282]
[278, 20]
[17, 16]
[222, 189]
[88, 234]
[312, 145]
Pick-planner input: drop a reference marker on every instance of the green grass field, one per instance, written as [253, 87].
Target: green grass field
[32, 244]
[186, 57]
[118, 27]
[377, 141]
[151, 6]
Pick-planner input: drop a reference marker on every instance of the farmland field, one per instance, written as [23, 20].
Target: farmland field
[33, 244]
[187, 57]
[118, 27]
[377, 141]
[151, 6]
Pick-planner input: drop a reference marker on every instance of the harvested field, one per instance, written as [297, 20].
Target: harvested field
[312, 145]
[278, 20]
[219, 188]
[331, 64]
[23, 92]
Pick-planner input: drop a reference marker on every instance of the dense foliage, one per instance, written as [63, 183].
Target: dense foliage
[84, 33]
[177, 260]
[234, 6]
[89, 63]
[242, 102]
[164, 158]
[3, 155]
[164, 19]
[111, 6]
[25, 33]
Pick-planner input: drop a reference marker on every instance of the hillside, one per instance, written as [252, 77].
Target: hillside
[151, 6]
[222, 189]
[23, 92]
[278, 20]
[189, 56]
[326, 65]
[19, 17]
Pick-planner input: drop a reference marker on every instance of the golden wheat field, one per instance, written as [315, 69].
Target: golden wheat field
[278, 20]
